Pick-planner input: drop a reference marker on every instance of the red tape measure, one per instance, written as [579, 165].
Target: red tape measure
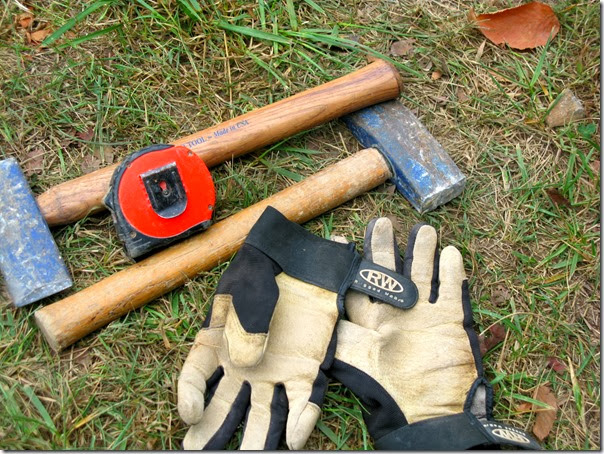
[158, 195]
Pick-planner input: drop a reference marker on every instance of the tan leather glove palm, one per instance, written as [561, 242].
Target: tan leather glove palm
[418, 371]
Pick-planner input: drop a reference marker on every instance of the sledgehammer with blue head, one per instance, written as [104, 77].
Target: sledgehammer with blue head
[422, 170]
[68, 320]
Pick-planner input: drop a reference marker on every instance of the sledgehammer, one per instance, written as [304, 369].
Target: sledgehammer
[30, 261]
[70, 319]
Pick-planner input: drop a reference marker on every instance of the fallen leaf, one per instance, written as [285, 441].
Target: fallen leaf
[557, 198]
[403, 47]
[522, 27]
[495, 335]
[107, 154]
[595, 166]
[556, 364]
[38, 36]
[436, 75]
[86, 135]
[462, 96]
[500, 295]
[480, 50]
[568, 108]
[544, 421]
[90, 163]
[34, 162]
[24, 20]
[524, 407]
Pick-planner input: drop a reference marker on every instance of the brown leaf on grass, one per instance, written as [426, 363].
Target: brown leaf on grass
[522, 27]
[500, 295]
[480, 50]
[462, 95]
[556, 364]
[90, 163]
[38, 36]
[403, 47]
[595, 166]
[24, 20]
[86, 135]
[34, 162]
[495, 335]
[524, 407]
[544, 421]
[557, 198]
[107, 154]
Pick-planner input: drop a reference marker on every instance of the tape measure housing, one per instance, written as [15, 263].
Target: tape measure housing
[158, 195]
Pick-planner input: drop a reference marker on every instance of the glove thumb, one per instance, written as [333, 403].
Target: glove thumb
[249, 293]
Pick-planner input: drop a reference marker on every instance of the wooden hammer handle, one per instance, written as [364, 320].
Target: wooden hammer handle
[70, 319]
[376, 82]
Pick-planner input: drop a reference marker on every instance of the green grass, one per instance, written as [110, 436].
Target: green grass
[144, 72]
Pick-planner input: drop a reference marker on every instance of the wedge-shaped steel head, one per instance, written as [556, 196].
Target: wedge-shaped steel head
[423, 171]
[29, 258]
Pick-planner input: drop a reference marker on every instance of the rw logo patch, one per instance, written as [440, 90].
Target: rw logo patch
[382, 281]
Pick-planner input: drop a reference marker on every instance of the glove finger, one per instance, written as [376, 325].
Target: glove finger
[421, 261]
[199, 367]
[380, 245]
[303, 413]
[266, 419]
[250, 288]
[381, 248]
[452, 276]
[221, 417]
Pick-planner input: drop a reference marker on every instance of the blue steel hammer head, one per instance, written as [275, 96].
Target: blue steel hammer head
[29, 258]
[422, 170]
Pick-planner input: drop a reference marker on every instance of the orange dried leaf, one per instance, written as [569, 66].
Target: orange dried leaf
[524, 407]
[24, 20]
[38, 36]
[544, 421]
[523, 27]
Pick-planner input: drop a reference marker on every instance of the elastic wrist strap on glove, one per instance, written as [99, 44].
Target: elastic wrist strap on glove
[324, 263]
[455, 433]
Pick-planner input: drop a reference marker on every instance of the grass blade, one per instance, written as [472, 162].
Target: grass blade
[252, 32]
[89, 36]
[314, 6]
[75, 20]
[291, 12]
[268, 69]
[40, 407]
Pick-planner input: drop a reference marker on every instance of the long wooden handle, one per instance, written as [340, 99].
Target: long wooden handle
[70, 319]
[376, 82]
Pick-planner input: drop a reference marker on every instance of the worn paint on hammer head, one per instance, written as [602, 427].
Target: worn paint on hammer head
[30, 261]
[422, 170]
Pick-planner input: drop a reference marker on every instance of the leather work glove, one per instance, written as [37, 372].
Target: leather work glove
[268, 339]
[418, 371]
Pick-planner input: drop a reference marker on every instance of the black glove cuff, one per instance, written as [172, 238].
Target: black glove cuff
[327, 264]
[301, 254]
[454, 433]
